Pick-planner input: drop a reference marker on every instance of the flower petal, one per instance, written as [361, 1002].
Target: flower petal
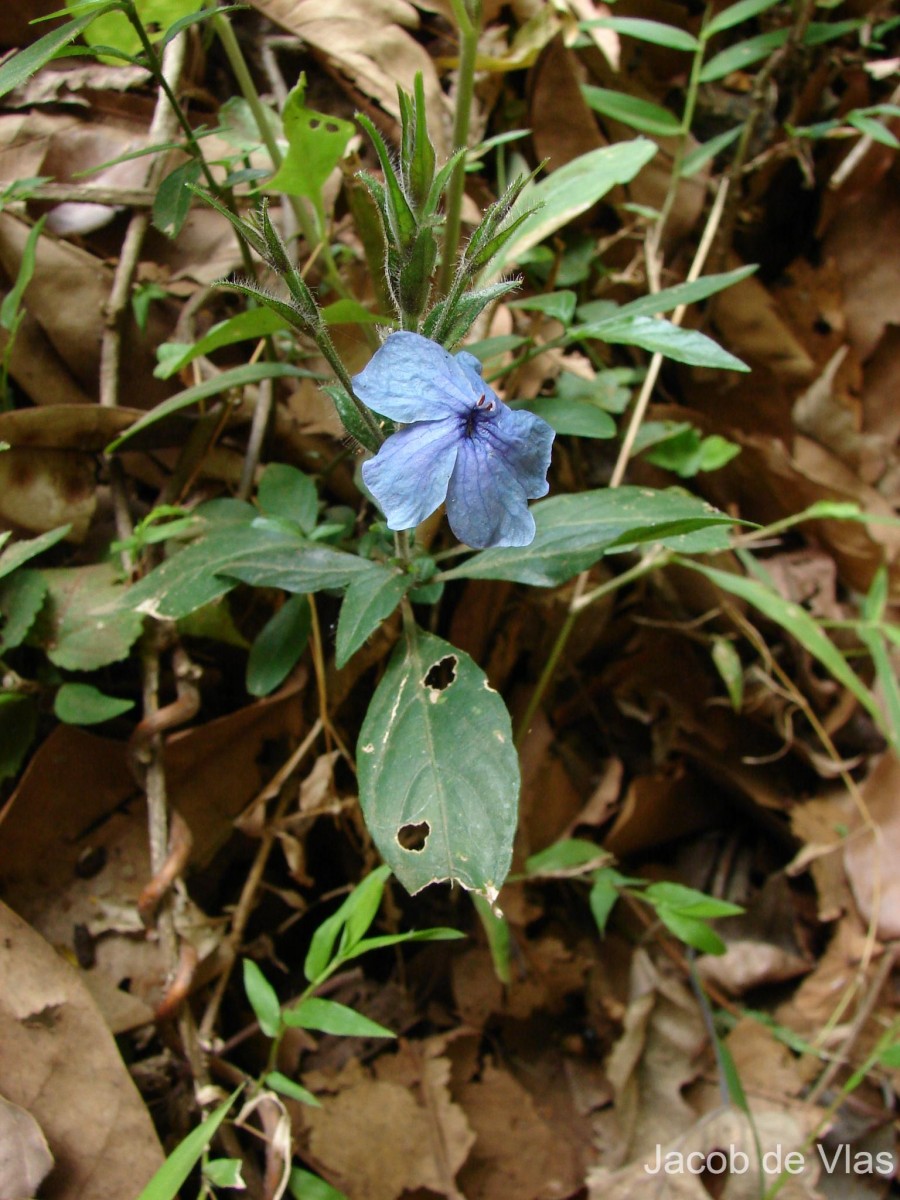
[411, 378]
[486, 505]
[409, 474]
[497, 471]
[524, 442]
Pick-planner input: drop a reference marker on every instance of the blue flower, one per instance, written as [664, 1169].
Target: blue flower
[459, 443]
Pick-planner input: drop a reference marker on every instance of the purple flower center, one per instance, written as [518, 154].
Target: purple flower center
[483, 411]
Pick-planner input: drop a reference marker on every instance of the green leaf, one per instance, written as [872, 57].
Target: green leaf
[290, 1088]
[573, 532]
[116, 32]
[572, 190]
[294, 564]
[578, 418]
[818, 32]
[239, 377]
[22, 66]
[631, 111]
[886, 674]
[263, 999]
[678, 446]
[560, 305]
[83, 625]
[567, 857]
[286, 492]
[873, 129]
[662, 337]
[9, 309]
[18, 725]
[597, 314]
[361, 905]
[167, 1181]
[256, 552]
[890, 1056]
[690, 930]
[316, 144]
[327, 1016]
[655, 32]
[603, 896]
[20, 552]
[728, 663]
[496, 929]
[800, 625]
[735, 14]
[697, 158]
[172, 202]
[689, 901]
[743, 55]
[21, 599]
[83, 704]
[254, 323]
[278, 646]
[304, 1185]
[368, 601]
[438, 773]
[224, 1172]
[398, 939]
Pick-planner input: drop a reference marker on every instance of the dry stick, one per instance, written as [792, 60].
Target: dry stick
[162, 129]
[92, 193]
[656, 361]
[254, 876]
[579, 600]
[866, 1009]
[757, 641]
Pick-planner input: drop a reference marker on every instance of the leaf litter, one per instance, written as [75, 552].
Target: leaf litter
[565, 1077]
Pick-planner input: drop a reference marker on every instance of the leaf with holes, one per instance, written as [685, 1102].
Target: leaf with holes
[438, 774]
[316, 144]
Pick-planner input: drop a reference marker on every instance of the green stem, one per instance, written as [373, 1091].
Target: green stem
[238, 64]
[656, 558]
[469, 23]
[154, 65]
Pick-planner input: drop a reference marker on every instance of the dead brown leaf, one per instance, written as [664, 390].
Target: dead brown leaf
[701, 1155]
[367, 41]
[61, 1064]
[871, 854]
[25, 1157]
[516, 1152]
[375, 1139]
[658, 1053]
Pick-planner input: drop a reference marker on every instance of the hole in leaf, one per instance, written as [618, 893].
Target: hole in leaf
[413, 837]
[442, 674]
[332, 128]
[314, 122]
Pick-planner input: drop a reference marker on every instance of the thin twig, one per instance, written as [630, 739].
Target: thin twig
[825, 1080]
[643, 400]
[244, 908]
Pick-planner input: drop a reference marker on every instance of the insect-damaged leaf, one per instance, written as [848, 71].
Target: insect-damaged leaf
[438, 774]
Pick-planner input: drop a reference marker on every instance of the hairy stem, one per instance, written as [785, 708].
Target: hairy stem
[468, 19]
[314, 239]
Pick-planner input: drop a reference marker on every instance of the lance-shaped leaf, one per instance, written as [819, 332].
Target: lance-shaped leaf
[438, 773]
[574, 532]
